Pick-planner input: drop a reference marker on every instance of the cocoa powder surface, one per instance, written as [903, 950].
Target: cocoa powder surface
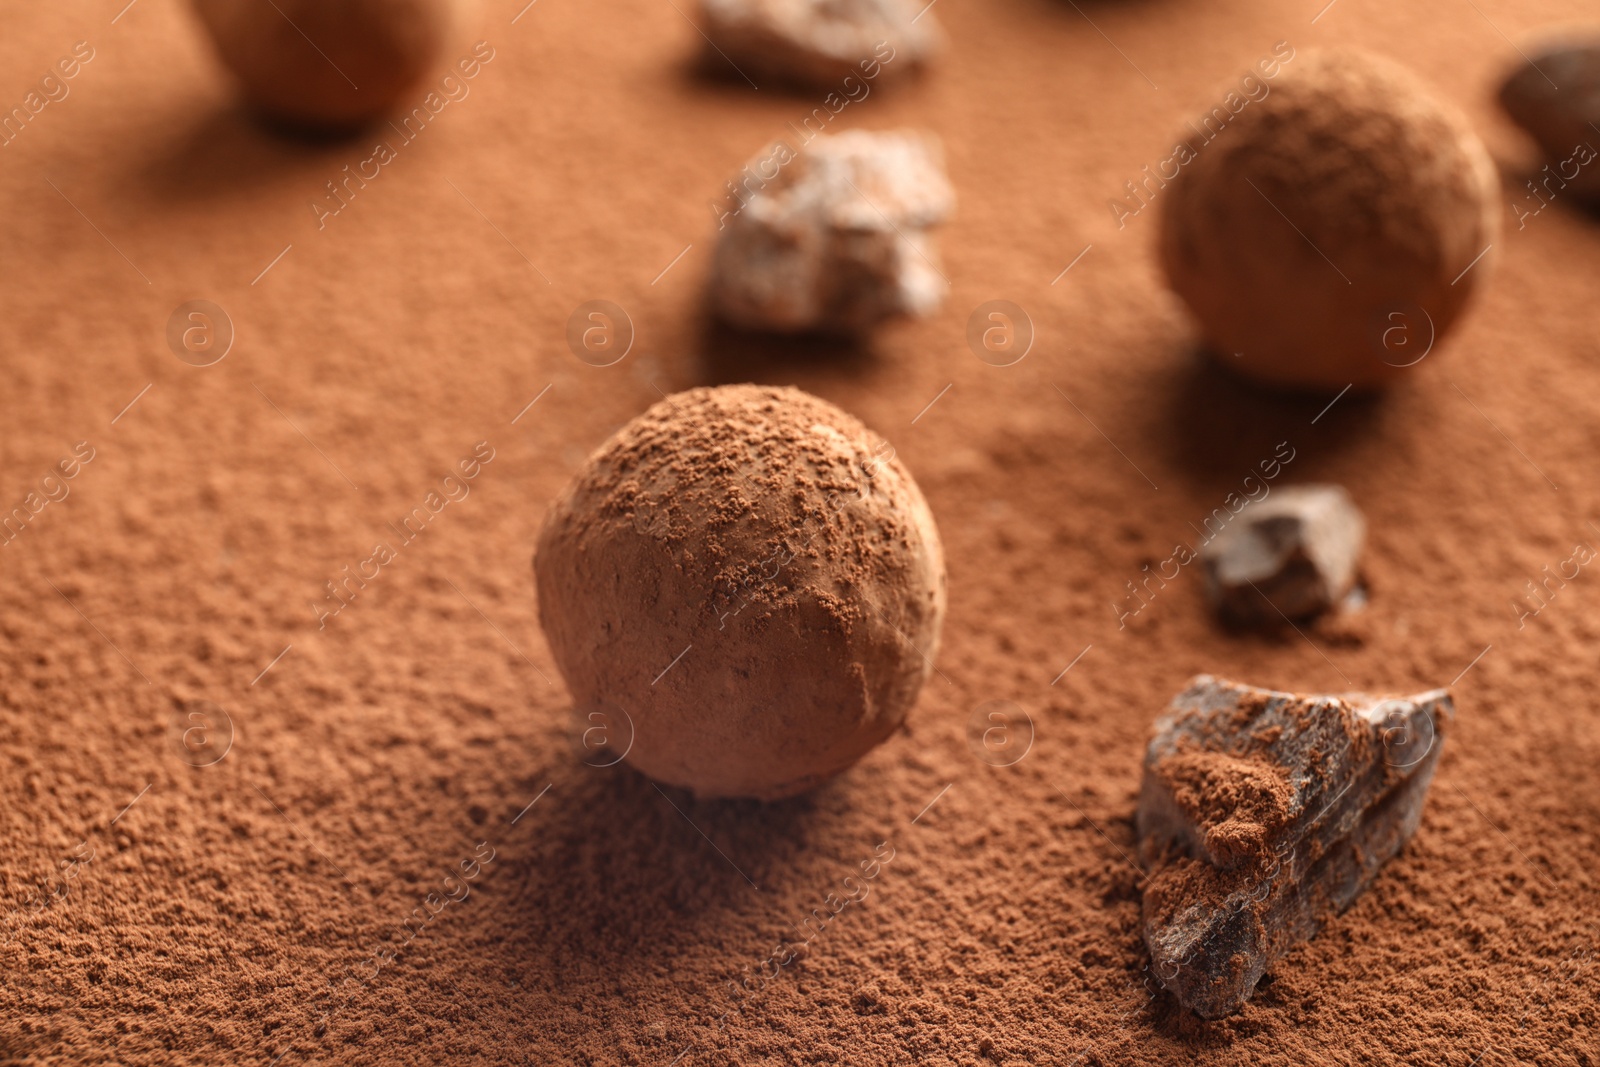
[265, 908]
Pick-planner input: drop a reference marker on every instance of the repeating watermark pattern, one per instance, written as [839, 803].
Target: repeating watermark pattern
[51, 89]
[202, 732]
[1403, 334]
[1141, 193]
[452, 888]
[1000, 333]
[343, 189]
[200, 333]
[1562, 974]
[50, 888]
[1407, 736]
[1000, 733]
[55, 886]
[600, 333]
[602, 735]
[1537, 597]
[1541, 195]
[853, 90]
[53, 489]
[344, 588]
[1255, 489]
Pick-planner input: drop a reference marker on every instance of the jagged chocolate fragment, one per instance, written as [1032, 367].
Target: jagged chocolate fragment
[1293, 553]
[1262, 814]
[837, 236]
[820, 43]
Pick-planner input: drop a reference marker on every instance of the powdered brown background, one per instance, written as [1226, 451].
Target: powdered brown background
[219, 904]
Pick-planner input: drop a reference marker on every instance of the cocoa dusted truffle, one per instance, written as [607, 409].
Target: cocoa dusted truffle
[1323, 238]
[327, 64]
[753, 579]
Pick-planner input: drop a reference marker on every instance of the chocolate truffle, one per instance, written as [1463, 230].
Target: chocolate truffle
[1555, 96]
[327, 64]
[1321, 236]
[752, 578]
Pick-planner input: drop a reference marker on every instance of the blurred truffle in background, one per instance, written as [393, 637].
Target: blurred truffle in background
[1555, 96]
[327, 65]
[1329, 233]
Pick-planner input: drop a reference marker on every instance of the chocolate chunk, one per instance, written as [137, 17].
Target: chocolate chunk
[1555, 96]
[1262, 814]
[819, 43]
[1293, 554]
[836, 240]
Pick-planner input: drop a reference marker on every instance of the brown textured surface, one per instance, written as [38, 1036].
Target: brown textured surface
[749, 583]
[1005, 928]
[1348, 192]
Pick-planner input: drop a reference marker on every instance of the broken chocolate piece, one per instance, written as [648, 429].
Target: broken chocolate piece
[836, 240]
[1555, 96]
[1262, 814]
[1290, 555]
[820, 43]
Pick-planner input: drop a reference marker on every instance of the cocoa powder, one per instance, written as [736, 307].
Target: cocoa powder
[224, 905]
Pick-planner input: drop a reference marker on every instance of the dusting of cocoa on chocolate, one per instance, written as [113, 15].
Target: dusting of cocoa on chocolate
[1007, 931]
[1264, 813]
[753, 579]
[1348, 193]
[1234, 801]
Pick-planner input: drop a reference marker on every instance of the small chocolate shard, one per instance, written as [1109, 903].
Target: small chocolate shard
[837, 240]
[1555, 96]
[1262, 814]
[819, 43]
[1291, 555]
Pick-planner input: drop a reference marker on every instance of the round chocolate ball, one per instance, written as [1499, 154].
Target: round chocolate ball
[1322, 235]
[752, 580]
[327, 64]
